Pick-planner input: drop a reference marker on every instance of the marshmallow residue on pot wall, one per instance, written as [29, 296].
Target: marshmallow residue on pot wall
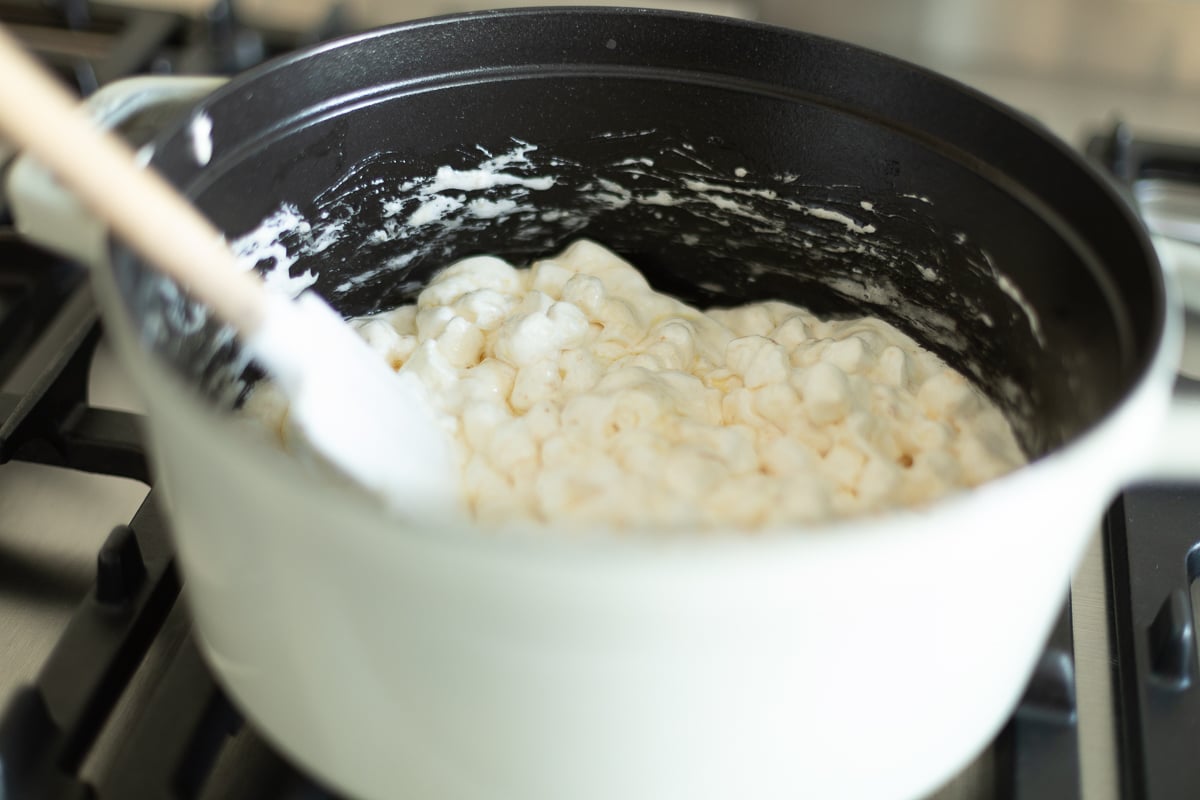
[371, 240]
[201, 129]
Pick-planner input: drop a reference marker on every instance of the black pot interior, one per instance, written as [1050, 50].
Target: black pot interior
[730, 162]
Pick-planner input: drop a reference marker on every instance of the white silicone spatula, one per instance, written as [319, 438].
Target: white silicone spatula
[373, 424]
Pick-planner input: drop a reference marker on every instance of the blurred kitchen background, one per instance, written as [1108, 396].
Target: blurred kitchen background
[1071, 63]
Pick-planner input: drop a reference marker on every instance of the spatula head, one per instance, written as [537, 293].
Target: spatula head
[378, 427]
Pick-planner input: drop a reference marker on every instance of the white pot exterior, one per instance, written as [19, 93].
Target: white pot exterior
[866, 660]
[869, 660]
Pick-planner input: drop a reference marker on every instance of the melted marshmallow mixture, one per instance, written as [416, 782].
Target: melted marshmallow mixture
[579, 395]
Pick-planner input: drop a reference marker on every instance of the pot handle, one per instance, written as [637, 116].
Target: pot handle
[137, 108]
[1176, 456]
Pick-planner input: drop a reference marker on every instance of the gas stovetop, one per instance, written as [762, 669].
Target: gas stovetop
[103, 693]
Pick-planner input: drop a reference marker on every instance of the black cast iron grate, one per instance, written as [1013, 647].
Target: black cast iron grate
[170, 741]
[1154, 555]
[1152, 535]
[33, 286]
[89, 44]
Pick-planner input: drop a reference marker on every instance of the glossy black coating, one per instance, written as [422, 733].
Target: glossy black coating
[958, 188]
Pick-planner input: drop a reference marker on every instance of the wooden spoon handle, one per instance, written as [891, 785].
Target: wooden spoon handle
[38, 115]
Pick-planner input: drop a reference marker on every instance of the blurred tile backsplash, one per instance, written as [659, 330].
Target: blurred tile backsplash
[1153, 44]
[1131, 42]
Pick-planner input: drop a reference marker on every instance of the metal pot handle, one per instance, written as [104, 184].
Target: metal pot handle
[1177, 454]
[137, 108]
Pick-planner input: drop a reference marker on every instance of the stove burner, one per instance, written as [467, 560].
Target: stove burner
[33, 286]
[89, 44]
[1163, 177]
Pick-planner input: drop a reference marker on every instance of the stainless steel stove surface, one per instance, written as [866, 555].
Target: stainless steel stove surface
[103, 693]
